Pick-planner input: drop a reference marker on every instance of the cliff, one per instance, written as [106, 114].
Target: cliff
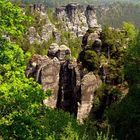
[73, 18]
[72, 89]
[77, 19]
[75, 82]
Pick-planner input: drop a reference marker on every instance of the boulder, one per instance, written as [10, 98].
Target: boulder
[63, 52]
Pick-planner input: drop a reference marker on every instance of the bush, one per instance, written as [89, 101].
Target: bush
[89, 59]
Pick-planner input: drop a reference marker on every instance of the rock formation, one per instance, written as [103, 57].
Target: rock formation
[77, 19]
[45, 32]
[89, 84]
[43, 29]
[73, 18]
[46, 72]
[72, 90]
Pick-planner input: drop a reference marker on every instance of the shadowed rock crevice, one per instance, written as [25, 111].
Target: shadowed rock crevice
[67, 89]
[72, 89]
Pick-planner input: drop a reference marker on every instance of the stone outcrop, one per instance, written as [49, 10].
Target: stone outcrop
[46, 72]
[69, 88]
[71, 82]
[44, 29]
[89, 84]
[59, 51]
[77, 19]
[91, 17]
[92, 38]
[72, 90]
[73, 18]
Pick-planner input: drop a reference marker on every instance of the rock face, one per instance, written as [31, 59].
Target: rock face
[59, 52]
[44, 29]
[73, 18]
[89, 84]
[92, 38]
[72, 91]
[91, 16]
[69, 88]
[46, 72]
[46, 32]
[77, 18]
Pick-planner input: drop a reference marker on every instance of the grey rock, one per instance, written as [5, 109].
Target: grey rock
[76, 18]
[91, 17]
[53, 50]
[97, 45]
[61, 52]
[33, 35]
[91, 38]
[46, 72]
[89, 84]
[70, 91]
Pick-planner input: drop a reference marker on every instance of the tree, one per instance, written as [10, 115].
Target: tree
[20, 97]
[124, 116]
[12, 19]
[131, 31]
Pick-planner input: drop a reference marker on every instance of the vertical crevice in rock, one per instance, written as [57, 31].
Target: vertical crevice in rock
[67, 98]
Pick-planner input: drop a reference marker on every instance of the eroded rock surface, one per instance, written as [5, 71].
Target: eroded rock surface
[89, 84]
[73, 18]
[77, 19]
[44, 31]
[46, 72]
[71, 90]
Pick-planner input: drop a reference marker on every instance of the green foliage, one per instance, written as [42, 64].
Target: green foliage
[22, 113]
[72, 42]
[116, 13]
[90, 60]
[130, 29]
[11, 19]
[57, 125]
[21, 98]
[127, 124]
[40, 48]
[113, 38]
[114, 50]
[112, 60]
[69, 133]
[51, 16]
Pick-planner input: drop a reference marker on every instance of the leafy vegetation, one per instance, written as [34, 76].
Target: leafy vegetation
[119, 62]
[22, 113]
[127, 124]
[115, 14]
[72, 42]
[56, 3]
[24, 116]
